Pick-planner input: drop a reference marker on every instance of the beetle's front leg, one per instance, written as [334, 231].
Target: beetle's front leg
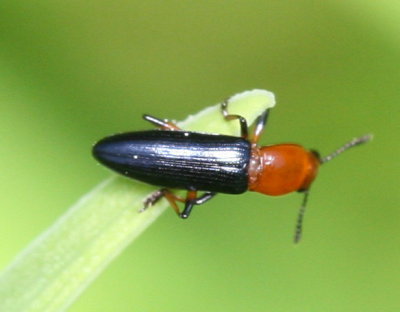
[192, 200]
[260, 125]
[163, 124]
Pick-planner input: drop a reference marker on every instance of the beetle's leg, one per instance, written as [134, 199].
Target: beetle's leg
[244, 131]
[163, 124]
[172, 199]
[157, 195]
[152, 199]
[192, 200]
[260, 124]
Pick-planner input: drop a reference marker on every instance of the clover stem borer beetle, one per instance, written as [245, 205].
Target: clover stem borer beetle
[199, 162]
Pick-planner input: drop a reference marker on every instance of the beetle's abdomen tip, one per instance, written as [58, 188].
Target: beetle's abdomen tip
[118, 152]
[98, 148]
[98, 151]
[106, 152]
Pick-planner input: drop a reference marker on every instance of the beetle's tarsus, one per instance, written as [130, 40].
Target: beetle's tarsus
[188, 208]
[183, 216]
[152, 199]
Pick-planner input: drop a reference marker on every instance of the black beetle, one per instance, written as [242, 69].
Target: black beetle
[173, 158]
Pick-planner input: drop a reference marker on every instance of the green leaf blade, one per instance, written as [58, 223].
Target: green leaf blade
[58, 265]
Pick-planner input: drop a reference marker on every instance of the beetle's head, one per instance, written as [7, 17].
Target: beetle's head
[285, 168]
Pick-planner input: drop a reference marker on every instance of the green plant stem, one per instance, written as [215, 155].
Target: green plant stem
[59, 264]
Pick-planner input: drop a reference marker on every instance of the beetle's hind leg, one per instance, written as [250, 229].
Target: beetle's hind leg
[163, 124]
[154, 197]
[244, 131]
[190, 200]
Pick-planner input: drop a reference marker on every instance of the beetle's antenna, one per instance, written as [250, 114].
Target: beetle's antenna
[354, 142]
[299, 224]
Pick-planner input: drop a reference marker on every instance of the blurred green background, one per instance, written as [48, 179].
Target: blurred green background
[73, 72]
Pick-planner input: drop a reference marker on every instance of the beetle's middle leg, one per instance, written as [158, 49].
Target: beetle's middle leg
[163, 124]
[192, 199]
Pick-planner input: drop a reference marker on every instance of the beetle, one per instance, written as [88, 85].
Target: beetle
[200, 162]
